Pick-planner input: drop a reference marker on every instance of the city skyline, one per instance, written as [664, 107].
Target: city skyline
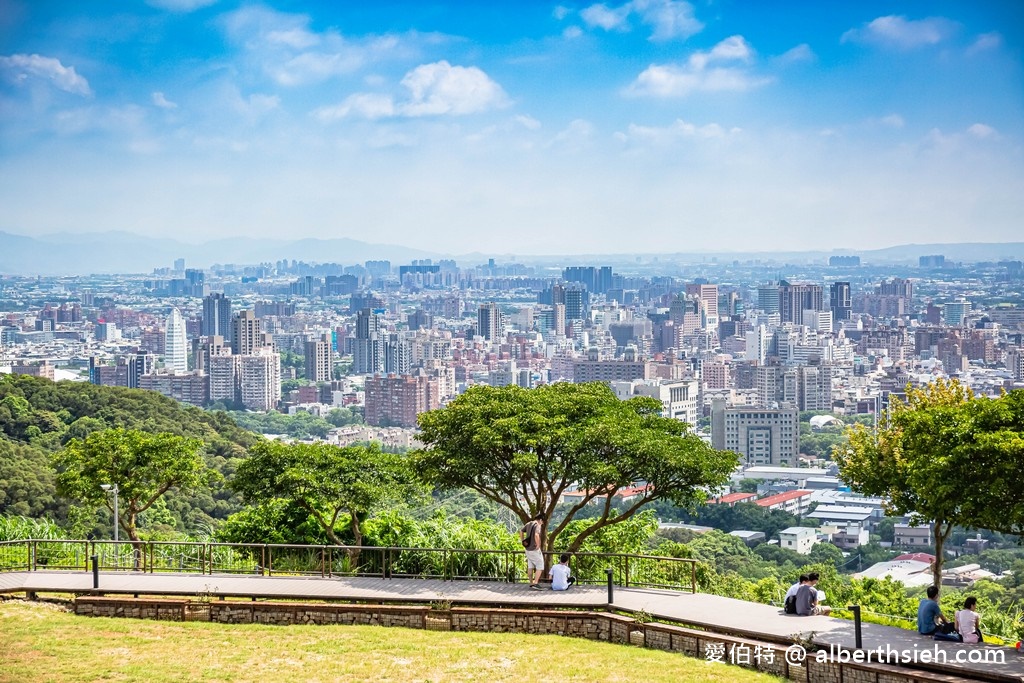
[541, 128]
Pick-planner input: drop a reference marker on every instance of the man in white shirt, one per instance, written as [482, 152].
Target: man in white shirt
[560, 578]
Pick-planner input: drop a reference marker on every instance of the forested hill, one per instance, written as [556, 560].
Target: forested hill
[37, 417]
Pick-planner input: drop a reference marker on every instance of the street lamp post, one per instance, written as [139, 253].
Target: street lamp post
[113, 487]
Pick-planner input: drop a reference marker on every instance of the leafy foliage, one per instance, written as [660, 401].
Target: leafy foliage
[524, 449]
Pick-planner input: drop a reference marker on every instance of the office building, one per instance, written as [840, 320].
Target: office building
[768, 298]
[318, 360]
[175, 344]
[840, 301]
[369, 351]
[216, 316]
[796, 298]
[955, 311]
[489, 323]
[762, 436]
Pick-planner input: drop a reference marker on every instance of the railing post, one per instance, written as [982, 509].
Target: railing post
[270, 561]
[33, 550]
[611, 589]
[693, 577]
[323, 555]
[263, 560]
[330, 563]
[857, 636]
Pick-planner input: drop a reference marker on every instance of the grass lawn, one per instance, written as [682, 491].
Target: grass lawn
[40, 642]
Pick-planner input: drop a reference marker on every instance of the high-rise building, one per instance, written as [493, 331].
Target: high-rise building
[260, 379]
[955, 311]
[195, 282]
[840, 301]
[489, 324]
[247, 334]
[175, 344]
[369, 350]
[396, 400]
[768, 297]
[796, 298]
[318, 360]
[707, 297]
[223, 374]
[216, 316]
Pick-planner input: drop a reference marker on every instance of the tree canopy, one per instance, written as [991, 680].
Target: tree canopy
[945, 457]
[325, 480]
[524, 449]
[142, 466]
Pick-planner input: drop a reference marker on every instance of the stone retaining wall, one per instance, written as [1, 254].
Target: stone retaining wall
[763, 656]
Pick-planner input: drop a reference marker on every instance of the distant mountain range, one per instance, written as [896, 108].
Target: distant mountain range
[123, 252]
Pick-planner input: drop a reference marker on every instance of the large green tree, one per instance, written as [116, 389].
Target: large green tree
[945, 457]
[524, 449]
[143, 467]
[327, 481]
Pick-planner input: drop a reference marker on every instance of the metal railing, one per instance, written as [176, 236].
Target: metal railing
[274, 559]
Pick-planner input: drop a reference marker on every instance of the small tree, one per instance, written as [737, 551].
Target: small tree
[945, 457]
[525, 449]
[327, 481]
[143, 467]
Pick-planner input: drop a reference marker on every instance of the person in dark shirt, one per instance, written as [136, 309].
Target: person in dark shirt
[929, 617]
[530, 537]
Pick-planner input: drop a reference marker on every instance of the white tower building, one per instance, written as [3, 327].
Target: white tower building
[176, 344]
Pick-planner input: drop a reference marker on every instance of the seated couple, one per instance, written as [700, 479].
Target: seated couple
[965, 627]
[804, 599]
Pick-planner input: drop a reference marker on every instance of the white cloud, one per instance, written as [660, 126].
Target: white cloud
[560, 12]
[668, 18]
[701, 72]
[981, 131]
[286, 48]
[795, 55]
[893, 120]
[986, 41]
[364, 105]
[180, 5]
[441, 88]
[572, 32]
[678, 130]
[432, 89]
[576, 136]
[162, 102]
[20, 67]
[609, 19]
[900, 32]
[527, 122]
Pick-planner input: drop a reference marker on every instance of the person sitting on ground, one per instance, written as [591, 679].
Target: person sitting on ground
[789, 602]
[560, 574]
[968, 621]
[930, 619]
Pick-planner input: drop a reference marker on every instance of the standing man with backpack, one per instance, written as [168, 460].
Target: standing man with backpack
[531, 537]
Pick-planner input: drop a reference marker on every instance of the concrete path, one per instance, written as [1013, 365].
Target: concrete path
[724, 615]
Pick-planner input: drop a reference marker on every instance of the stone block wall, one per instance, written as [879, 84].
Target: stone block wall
[603, 626]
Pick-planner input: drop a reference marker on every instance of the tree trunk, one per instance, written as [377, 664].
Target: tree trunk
[940, 541]
[357, 536]
[133, 535]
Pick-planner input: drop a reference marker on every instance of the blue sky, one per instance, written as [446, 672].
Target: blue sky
[544, 128]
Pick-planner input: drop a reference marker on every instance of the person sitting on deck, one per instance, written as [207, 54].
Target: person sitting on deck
[789, 602]
[968, 621]
[930, 619]
[560, 574]
[808, 598]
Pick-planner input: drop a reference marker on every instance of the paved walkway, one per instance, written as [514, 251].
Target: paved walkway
[725, 615]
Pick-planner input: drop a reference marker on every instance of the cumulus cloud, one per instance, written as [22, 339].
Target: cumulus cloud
[572, 32]
[432, 89]
[162, 102]
[723, 68]
[900, 32]
[286, 48]
[21, 68]
[668, 19]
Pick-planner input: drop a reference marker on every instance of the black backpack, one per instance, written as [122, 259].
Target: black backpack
[790, 606]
